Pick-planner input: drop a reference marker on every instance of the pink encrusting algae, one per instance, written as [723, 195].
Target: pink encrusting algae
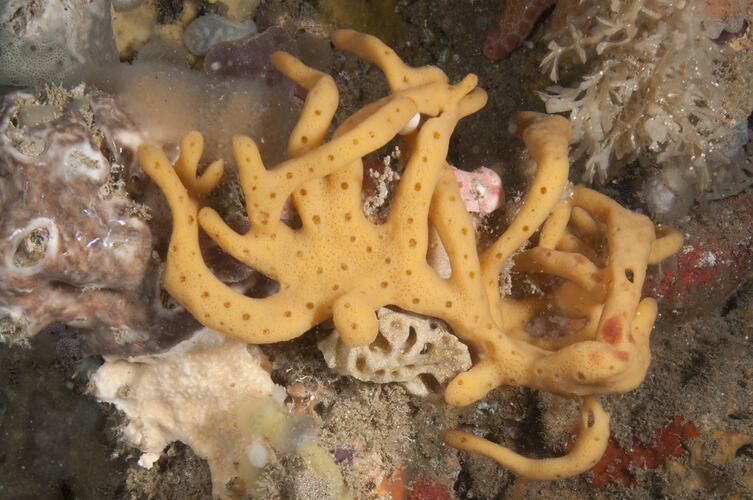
[481, 190]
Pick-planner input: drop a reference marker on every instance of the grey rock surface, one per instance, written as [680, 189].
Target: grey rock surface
[47, 41]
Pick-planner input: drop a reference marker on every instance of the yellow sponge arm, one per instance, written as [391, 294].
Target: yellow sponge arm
[399, 75]
[587, 451]
[546, 137]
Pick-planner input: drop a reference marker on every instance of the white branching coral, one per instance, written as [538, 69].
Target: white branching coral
[653, 85]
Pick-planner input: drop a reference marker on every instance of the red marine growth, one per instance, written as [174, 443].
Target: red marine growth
[667, 442]
[514, 25]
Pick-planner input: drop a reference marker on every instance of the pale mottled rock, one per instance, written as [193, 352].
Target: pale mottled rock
[73, 247]
[192, 393]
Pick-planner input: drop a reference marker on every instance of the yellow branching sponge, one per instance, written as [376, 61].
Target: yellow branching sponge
[340, 265]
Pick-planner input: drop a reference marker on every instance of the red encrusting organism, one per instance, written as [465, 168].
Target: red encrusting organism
[426, 488]
[514, 25]
[395, 486]
[714, 260]
[667, 442]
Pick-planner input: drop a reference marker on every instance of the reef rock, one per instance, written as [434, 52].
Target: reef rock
[418, 351]
[249, 57]
[205, 31]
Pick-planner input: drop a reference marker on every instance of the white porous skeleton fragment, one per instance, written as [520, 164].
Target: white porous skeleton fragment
[418, 351]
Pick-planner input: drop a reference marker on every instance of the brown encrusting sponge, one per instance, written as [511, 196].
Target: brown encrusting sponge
[340, 265]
